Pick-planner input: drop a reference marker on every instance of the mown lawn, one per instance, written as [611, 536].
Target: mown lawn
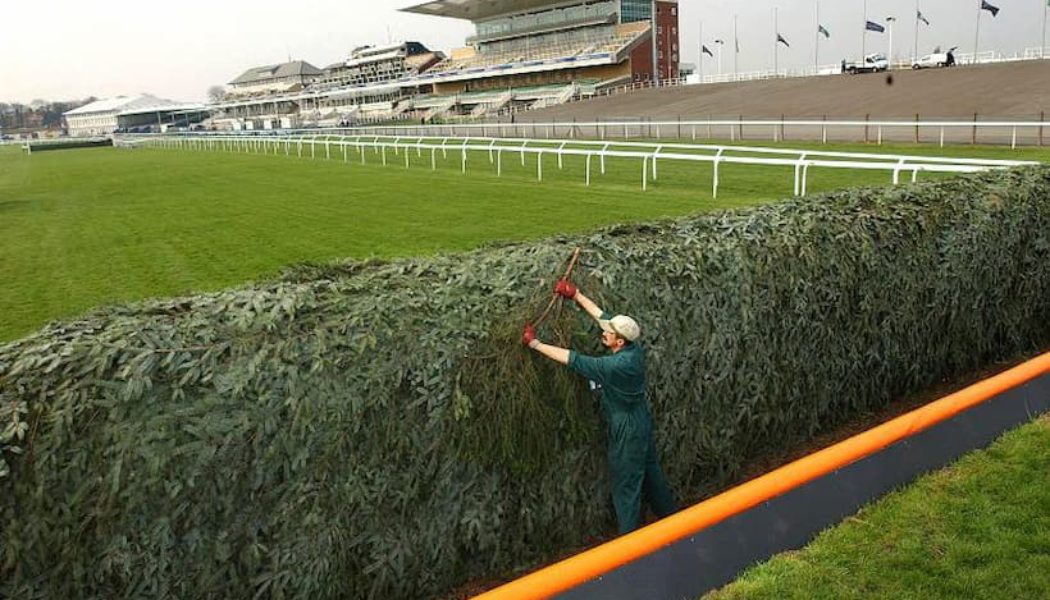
[977, 529]
[84, 228]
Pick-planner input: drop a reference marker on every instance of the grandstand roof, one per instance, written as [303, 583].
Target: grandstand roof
[288, 69]
[125, 105]
[477, 10]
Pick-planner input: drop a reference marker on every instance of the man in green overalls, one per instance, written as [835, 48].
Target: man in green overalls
[633, 462]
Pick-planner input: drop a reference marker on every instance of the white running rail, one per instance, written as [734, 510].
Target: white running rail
[648, 154]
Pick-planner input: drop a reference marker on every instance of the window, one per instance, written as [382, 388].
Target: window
[661, 55]
[674, 11]
[660, 30]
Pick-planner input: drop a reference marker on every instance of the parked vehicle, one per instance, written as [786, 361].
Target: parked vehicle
[872, 63]
[935, 60]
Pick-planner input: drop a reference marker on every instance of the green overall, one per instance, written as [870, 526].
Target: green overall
[633, 462]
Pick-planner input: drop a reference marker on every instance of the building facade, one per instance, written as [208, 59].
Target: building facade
[273, 79]
[104, 117]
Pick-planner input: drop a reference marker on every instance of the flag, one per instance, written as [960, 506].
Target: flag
[823, 30]
[988, 7]
[873, 26]
[919, 16]
[781, 40]
[706, 51]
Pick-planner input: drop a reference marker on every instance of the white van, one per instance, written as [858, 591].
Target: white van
[931, 61]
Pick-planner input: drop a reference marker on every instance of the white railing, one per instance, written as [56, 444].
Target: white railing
[648, 154]
[1013, 133]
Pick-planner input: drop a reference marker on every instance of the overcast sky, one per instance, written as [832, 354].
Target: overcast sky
[177, 50]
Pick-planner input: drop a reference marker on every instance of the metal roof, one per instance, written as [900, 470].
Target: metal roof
[479, 10]
[125, 105]
[268, 72]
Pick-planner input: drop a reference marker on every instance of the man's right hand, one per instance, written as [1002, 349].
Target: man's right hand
[566, 289]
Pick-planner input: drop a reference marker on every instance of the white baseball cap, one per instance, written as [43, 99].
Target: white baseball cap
[623, 326]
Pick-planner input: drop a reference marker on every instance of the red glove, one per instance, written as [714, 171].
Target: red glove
[528, 336]
[565, 288]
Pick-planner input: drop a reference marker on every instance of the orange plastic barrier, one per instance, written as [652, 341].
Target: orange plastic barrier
[587, 565]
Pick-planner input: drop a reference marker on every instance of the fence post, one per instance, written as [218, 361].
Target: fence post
[782, 138]
[916, 128]
[680, 124]
[973, 139]
[740, 122]
[867, 117]
[824, 130]
[1042, 119]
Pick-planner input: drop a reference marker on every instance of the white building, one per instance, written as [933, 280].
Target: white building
[103, 117]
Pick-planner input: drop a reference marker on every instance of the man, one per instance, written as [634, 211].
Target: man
[633, 462]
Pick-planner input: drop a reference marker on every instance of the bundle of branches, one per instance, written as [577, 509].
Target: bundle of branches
[377, 430]
[515, 409]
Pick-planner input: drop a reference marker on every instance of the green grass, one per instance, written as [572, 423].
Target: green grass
[84, 228]
[977, 529]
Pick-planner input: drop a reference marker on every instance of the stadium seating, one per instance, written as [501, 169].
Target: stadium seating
[588, 47]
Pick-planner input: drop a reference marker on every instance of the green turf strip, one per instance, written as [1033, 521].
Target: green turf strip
[84, 228]
[977, 529]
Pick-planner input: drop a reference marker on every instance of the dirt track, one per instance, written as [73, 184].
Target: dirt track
[1013, 91]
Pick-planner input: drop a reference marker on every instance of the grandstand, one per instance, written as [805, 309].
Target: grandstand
[365, 87]
[369, 65]
[525, 54]
[533, 45]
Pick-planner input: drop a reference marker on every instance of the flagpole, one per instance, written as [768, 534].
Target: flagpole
[736, 50]
[1042, 49]
[776, 44]
[977, 33]
[889, 57]
[700, 60]
[864, 36]
[915, 49]
[816, 45]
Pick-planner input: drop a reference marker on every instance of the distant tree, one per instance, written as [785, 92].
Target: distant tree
[216, 93]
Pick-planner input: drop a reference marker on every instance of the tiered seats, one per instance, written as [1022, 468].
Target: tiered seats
[546, 54]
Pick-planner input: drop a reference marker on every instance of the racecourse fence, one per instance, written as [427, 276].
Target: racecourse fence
[997, 132]
[647, 154]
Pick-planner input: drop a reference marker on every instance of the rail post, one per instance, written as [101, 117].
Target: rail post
[867, 117]
[916, 128]
[973, 139]
[1042, 119]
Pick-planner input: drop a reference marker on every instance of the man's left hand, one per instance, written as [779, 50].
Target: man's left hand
[528, 336]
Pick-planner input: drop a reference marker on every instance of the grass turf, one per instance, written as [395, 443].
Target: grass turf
[84, 228]
[977, 529]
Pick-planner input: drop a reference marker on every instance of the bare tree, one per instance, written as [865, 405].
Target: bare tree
[216, 93]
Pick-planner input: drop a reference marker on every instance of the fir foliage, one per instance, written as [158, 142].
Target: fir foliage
[377, 430]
